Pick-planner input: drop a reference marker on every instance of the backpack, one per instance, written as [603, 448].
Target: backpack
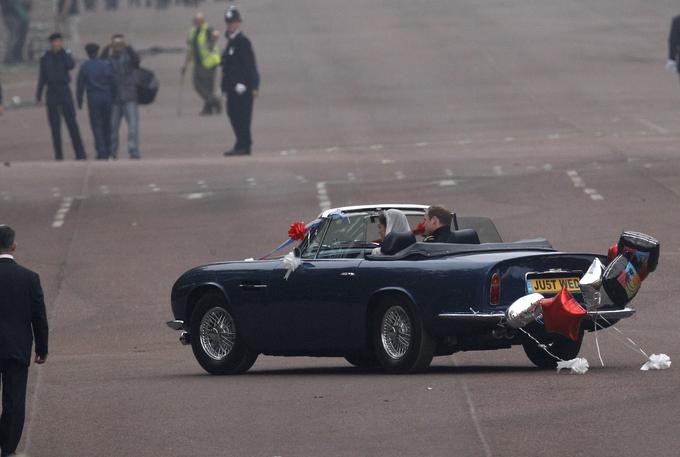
[147, 86]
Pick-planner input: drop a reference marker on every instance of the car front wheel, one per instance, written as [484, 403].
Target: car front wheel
[402, 345]
[215, 340]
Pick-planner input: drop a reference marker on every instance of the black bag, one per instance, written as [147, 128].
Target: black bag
[621, 281]
[642, 250]
[147, 86]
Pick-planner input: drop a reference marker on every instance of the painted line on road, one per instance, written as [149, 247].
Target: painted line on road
[399, 175]
[202, 184]
[579, 183]
[153, 187]
[652, 126]
[351, 177]
[63, 210]
[376, 147]
[301, 179]
[322, 195]
[447, 182]
[498, 170]
[251, 182]
[197, 195]
[386, 161]
[104, 189]
[448, 172]
[475, 420]
[422, 144]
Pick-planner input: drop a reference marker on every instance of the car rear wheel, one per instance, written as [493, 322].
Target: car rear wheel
[215, 340]
[561, 346]
[402, 345]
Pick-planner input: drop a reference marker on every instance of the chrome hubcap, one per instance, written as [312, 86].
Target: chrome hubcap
[217, 333]
[395, 332]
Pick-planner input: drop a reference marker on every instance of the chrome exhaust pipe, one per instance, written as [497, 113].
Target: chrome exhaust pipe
[185, 338]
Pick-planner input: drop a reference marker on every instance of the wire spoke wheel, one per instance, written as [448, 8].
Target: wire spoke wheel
[396, 332]
[217, 333]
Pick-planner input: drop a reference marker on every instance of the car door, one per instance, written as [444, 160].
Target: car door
[315, 304]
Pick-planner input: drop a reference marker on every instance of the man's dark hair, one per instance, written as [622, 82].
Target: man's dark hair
[440, 212]
[382, 219]
[92, 49]
[6, 237]
[55, 36]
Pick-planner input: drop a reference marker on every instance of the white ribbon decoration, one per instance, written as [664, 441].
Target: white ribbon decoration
[657, 362]
[579, 365]
[291, 263]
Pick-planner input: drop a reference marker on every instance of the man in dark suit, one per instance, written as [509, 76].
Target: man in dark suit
[22, 317]
[240, 82]
[674, 45]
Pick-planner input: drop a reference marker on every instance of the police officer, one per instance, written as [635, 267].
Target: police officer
[240, 82]
[203, 52]
[55, 66]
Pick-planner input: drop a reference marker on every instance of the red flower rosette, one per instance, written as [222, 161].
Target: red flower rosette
[420, 229]
[296, 231]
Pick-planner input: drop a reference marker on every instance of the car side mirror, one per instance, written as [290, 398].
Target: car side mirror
[297, 253]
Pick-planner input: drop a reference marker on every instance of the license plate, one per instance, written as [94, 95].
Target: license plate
[553, 285]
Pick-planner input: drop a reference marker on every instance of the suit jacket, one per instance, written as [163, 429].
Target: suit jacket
[674, 40]
[22, 313]
[238, 65]
[441, 235]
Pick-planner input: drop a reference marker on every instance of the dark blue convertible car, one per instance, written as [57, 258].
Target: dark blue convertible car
[391, 311]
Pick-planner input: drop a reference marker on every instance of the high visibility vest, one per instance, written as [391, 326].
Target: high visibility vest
[209, 53]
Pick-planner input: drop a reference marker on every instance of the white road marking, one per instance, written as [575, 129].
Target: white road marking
[475, 420]
[578, 182]
[104, 190]
[202, 184]
[498, 170]
[60, 215]
[399, 175]
[322, 195]
[509, 139]
[351, 177]
[153, 187]
[375, 147]
[251, 182]
[197, 195]
[554, 136]
[422, 144]
[652, 126]
[448, 172]
[447, 182]
[301, 178]
[386, 161]
[547, 167]
[284, 153]
[332, 149]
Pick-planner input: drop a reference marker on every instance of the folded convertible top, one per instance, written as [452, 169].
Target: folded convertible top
[429, 250]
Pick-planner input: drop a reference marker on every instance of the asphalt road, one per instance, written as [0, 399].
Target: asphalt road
[556, 120]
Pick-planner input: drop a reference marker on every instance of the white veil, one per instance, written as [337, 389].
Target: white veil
[396, 222]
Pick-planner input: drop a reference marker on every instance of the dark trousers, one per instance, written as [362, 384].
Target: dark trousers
[58, 105]
[240, 112]
[13, 378]
[99, 109]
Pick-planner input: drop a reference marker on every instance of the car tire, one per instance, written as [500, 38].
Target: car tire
[401, 343]
[215, 340]
[561, 346]
[363, 360]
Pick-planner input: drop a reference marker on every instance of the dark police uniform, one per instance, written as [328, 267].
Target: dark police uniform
[674, 41]
[238, 67]
[22, 316]
[96, 77]
[441, 235]
[54, 73]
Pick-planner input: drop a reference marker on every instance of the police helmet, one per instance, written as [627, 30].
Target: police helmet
[232, 15]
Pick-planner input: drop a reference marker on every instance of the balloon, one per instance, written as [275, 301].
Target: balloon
[590, 283]
[562, 314]
[524, 310]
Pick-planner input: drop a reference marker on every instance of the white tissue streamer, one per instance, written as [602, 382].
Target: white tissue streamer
[291, 263]
[579, 365]
[657, 362]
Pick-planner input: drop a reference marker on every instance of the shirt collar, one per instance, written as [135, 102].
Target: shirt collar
[6, 256]
[233, 35]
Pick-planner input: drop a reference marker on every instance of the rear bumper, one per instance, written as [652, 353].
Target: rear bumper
[497, 318]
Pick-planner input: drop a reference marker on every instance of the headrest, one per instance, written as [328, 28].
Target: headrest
[464, 236]
[396, 241]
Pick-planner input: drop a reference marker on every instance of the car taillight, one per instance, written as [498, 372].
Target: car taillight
[495, 289]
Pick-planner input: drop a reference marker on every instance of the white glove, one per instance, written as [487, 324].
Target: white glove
[671, 65]
[240, 88]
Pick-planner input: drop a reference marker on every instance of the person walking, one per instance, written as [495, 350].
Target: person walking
[16, 15]
[124, 61]
[240, 82]
[22, 318]
[202, 52]
[96, 78]
[55, 67]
